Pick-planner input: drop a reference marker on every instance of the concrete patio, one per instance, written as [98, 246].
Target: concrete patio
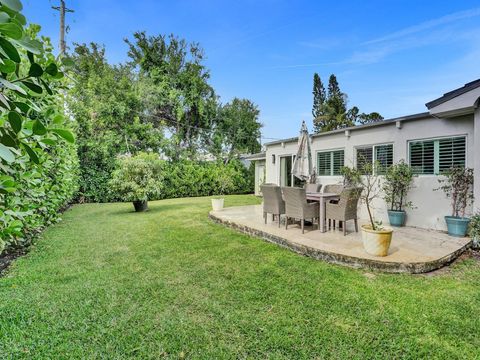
[413, 250]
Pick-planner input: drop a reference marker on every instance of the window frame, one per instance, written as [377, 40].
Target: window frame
[374, 154]
[436, 157]
[331, 151]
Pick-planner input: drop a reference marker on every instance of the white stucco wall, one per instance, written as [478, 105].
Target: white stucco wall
[431, 206]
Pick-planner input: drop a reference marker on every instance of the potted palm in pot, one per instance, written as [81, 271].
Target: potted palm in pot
[458, 186]
[375, 237]
[398, 181]
[138, 179]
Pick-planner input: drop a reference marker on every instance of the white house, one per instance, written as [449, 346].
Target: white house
[431, 142]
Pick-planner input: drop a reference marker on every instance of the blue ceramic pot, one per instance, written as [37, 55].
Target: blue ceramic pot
[396, 218]
[457, 226]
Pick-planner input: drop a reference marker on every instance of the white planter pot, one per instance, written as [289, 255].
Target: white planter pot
[375, 242]
[217, 204]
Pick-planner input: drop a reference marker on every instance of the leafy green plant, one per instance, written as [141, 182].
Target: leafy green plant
[475, 230]
[458, 186]
[352, 177]
[138, 178]
[398, 181]
[37, 154]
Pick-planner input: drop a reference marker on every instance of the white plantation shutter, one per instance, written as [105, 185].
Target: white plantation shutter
[384, 155]
[330, 162]
[451, 152]
[338, 161]
[437, 156]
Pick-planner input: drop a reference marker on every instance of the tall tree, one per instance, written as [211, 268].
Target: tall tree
[175, 85]
[237, 129]
[109, 113]
[319, 96]
[334, 114]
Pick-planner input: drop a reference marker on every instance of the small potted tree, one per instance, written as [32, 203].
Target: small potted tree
[398, 182]
[375, 237]
[138, 179]
[224, 185]
[457, 185]
[351, 176]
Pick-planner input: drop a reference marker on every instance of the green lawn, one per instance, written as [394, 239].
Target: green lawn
[109, 283]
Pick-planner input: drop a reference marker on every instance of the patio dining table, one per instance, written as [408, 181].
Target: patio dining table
[322, 198]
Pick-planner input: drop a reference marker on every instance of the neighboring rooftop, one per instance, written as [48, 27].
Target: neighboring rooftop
[454, 93]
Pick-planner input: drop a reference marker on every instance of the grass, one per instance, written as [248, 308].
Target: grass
[109, 283]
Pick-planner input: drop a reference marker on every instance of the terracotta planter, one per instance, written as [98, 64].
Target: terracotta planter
[217, 204]
[376, 242]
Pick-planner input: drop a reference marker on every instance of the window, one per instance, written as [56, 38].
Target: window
[383, 154]
[329, 163]
[437, 156]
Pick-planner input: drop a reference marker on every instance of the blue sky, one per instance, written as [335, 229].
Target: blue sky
[389, 56]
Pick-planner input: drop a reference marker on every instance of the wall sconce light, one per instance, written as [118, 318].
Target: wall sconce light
[398, 124]
[273, 158]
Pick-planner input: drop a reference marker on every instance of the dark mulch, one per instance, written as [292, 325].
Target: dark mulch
[6, 259]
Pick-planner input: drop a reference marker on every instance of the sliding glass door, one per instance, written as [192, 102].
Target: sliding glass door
[286, 177]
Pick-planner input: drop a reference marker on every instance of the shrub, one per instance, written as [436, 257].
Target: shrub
[457, 185]
[138, 178]
[398, 181]
[37, 166]
[475, 230]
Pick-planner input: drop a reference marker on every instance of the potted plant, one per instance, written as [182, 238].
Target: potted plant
[457, 185]
[138, 179]
[375, 237]
[224, 184]
[475, 230]
[398, 181]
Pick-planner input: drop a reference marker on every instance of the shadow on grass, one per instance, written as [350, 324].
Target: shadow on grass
[155, 208]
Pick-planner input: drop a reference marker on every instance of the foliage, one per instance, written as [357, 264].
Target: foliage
[108, 110]
[398, 181]
[371, 184]
[475, 229]
[186, 178]
[104, 281]
[237, 129]
[352, 177]
[330, 110]
[174, 81]
[37, 167]
[319, 96]
[458, 186]
[137, 178]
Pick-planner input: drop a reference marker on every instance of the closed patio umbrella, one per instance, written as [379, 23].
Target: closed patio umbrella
[302, 167]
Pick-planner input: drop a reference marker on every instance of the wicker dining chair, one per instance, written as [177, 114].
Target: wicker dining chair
[273, 202]
[297, 207]
[313, 188]
[333, 188]
[345, 209]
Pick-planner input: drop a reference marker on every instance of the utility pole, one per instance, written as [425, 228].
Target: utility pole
[62, 9]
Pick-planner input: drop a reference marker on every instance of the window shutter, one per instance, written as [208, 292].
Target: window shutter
[451, 153]
[384, 155]
[422, 157]
[364, 156]
[323, 163]
[338, 161]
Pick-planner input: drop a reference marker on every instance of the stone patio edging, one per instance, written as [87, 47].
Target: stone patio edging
[339, 259]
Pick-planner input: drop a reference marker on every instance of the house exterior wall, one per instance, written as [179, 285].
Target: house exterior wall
[431, 206]
[476, 160]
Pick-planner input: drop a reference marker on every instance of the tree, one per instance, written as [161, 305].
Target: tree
[110, 117]
[237, 129]
[319, 98]
[333, 114]
[175, 85]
